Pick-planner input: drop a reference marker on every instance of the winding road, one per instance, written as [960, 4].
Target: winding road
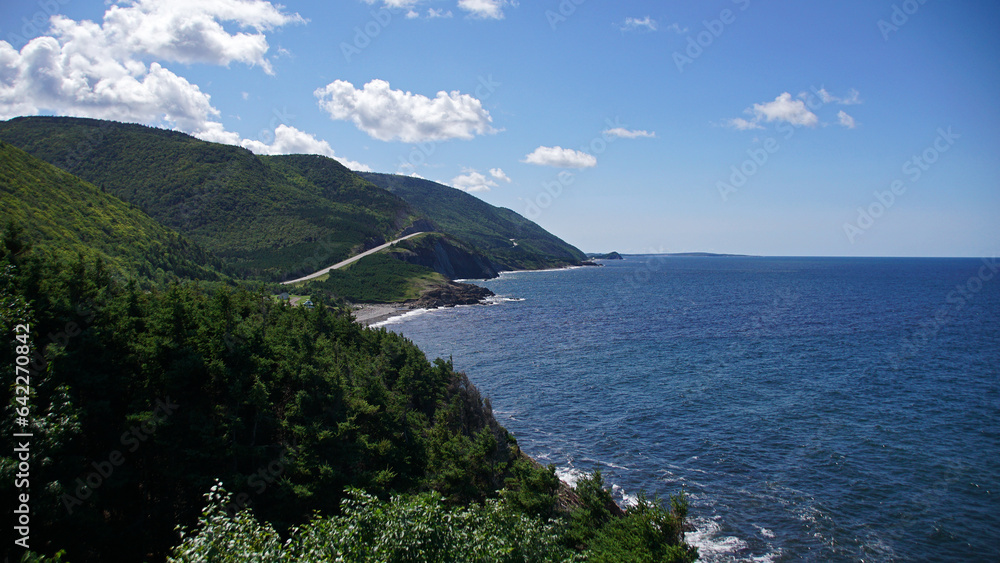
[350, 260]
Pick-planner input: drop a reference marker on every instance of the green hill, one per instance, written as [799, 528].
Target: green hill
[65, 218]
[275, 218]
[408, 270]
[271, 217]
[510, 240]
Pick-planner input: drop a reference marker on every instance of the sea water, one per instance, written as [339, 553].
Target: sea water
[812, 409]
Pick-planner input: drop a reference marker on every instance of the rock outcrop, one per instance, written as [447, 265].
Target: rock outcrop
[445, 256]
[449, 295]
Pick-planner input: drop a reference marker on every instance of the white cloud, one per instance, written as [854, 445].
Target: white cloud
[623, 133]
[185, 31]
[499, 175]
[47, 76]
[432, 14]
[794, 111]
[853, 97]
[635, 24]
[784, 108]
[473, 181]
[95, 70]
[676, 28]
[743, 124]
[480, 9]
[846, 120]
[289, 140]
[560, 158]
[396, 4]
[486, 9]
[387, 114]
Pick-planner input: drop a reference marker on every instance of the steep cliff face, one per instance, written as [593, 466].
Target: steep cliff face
[446, 256]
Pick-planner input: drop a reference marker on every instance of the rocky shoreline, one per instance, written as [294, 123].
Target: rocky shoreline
[450, 295]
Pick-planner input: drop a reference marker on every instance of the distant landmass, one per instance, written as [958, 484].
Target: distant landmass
[608, 256]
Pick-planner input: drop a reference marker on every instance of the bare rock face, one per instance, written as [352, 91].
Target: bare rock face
[447, 257]
[450, 295]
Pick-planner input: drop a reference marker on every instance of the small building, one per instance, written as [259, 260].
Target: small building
[309, 304]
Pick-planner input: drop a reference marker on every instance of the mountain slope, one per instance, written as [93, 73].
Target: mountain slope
[270, 216]
[65, 217]
[482, 225]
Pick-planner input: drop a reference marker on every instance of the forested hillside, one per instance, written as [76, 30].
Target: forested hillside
[270, 217]
[510, 240]
[67, 217]
[276, 217]
[141, 400]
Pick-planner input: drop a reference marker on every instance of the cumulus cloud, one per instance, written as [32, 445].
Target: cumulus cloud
[796, 111]
[676, 28]
[65, 79]
[743, 124]
[289, 140]
[185, 31]
[560, 158]
[623, 133]
[86, 69]
[784, 108]
[635, 24]
[499, 175]
[387, 114]
[846, 120]
[473, 181]
[486, 9]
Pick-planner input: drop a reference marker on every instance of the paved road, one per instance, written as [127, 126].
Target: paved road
[325, 271]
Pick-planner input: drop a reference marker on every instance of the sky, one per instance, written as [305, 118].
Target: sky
[782, 128]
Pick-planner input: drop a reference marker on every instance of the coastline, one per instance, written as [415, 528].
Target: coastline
[368, 314]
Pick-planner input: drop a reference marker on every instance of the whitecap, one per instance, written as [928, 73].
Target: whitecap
[711, 544]
[405, 316]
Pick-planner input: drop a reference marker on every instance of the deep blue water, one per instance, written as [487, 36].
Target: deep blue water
[814, 409]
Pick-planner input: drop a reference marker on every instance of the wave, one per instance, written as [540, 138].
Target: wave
[499, 299]
[400, 318]
[713, 545]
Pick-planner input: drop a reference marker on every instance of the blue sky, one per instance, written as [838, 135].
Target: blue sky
[843, 128]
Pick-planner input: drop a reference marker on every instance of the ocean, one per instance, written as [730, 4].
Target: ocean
[813, 409]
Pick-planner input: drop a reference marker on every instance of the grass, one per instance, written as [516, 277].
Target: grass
[379, 278]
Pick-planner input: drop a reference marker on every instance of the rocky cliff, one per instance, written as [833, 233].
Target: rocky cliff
[446, 256]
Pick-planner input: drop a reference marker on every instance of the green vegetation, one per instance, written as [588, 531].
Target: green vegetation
[287, 405]
[270, 217]
[273, 218]
[446, 255]
[160, 364]
[490, 229]
[423, 528]
[65, 217]
[378, 278]
[608, 256]
[417, 528]
[141, 400]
